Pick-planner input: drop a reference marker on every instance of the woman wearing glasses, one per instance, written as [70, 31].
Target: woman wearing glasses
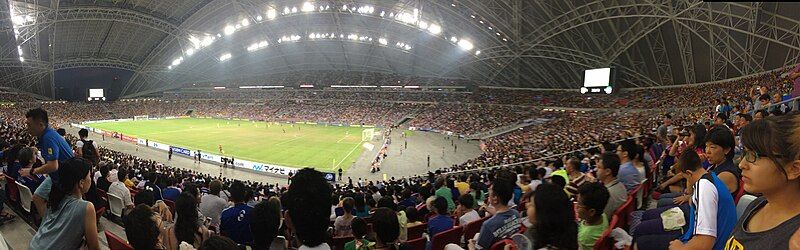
[771, 167]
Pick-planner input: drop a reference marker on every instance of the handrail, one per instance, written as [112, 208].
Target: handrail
[795, 100]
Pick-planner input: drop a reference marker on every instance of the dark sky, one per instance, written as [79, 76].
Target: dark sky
[74, 84]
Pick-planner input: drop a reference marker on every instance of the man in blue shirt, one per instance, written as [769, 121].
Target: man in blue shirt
[505, 220]
[54, 150]
[235, 220]
[628, 174]
[442, 221]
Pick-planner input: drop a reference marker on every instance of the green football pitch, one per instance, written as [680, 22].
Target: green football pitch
[323, 147]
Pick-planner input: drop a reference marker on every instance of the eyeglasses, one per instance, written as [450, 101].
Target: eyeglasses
[753, 156]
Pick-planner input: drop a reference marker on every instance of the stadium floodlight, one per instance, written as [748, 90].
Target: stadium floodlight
[177, 61]
[259, 18]
[225, 57]
[19, 50]
[245, 22]
[271, 13]
[190, 51]
[465, 44]
[219, 87]
[294, 9]
[498, 33]
[477, 52]
[454, 39]
[480, 22]
[383, 13]
[238, 26]
[169, 67]
[344, 7]
[407, 47]
[307, 7]
[229, 30]
[21, 59]
[195, 41]
[383, 41]
[352, 37]
[219, 35]
[286, 10]
[435, 29]
[505, 40]
[207, 41]
[422, 24]
[490, 28]
[263, 44]
[311, 36]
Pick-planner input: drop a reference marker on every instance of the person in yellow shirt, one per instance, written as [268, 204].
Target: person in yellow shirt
[462, 184]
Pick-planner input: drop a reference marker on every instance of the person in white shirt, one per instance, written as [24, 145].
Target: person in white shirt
[211, 205]
[118, 188]
[466, 210]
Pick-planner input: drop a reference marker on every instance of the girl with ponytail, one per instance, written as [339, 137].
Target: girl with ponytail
[69, 221]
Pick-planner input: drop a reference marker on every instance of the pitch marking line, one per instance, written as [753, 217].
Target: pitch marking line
[290, 140]
[345, 136]
[345, 157]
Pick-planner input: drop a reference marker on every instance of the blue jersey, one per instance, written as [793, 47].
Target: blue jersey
[54, 148]
[712, 211]
[171, 193]
[235, 223]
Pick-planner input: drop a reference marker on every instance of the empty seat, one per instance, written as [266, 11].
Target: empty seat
[743, 203]
[473, 228]
[442, 239]
[117, 243]
[25, 197]
[115, 205]
[416, 231]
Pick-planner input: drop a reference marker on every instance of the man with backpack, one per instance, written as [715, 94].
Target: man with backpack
[86, 148]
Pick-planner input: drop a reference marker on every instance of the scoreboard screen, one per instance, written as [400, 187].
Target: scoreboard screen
[596, 81]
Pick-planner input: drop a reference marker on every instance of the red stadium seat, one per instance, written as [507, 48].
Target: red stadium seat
[117, 243]
[624, 212]
[605, 242]
[740, 193]
[442, 239]
[500, 245]
[171, 205]
[418, 243]
[473, 228]
[416, 231]
[12, 191]
[338, 242]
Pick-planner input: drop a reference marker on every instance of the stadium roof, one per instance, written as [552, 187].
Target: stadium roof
[517, 43]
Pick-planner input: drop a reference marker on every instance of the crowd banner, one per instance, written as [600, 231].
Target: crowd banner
[183, 151]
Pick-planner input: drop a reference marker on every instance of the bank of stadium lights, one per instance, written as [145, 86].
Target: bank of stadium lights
[465, 45]
[289, 38]
[307, 7]
[271, 13]
[225, 57]
[257, 46]
[403, 46]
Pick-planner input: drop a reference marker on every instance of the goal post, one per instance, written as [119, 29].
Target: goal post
[367, 134]
[140, 117]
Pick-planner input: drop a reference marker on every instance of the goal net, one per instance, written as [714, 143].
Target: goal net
[367, 134]
[140, 117]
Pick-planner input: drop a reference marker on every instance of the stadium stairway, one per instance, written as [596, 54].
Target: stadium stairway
[506, 129]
